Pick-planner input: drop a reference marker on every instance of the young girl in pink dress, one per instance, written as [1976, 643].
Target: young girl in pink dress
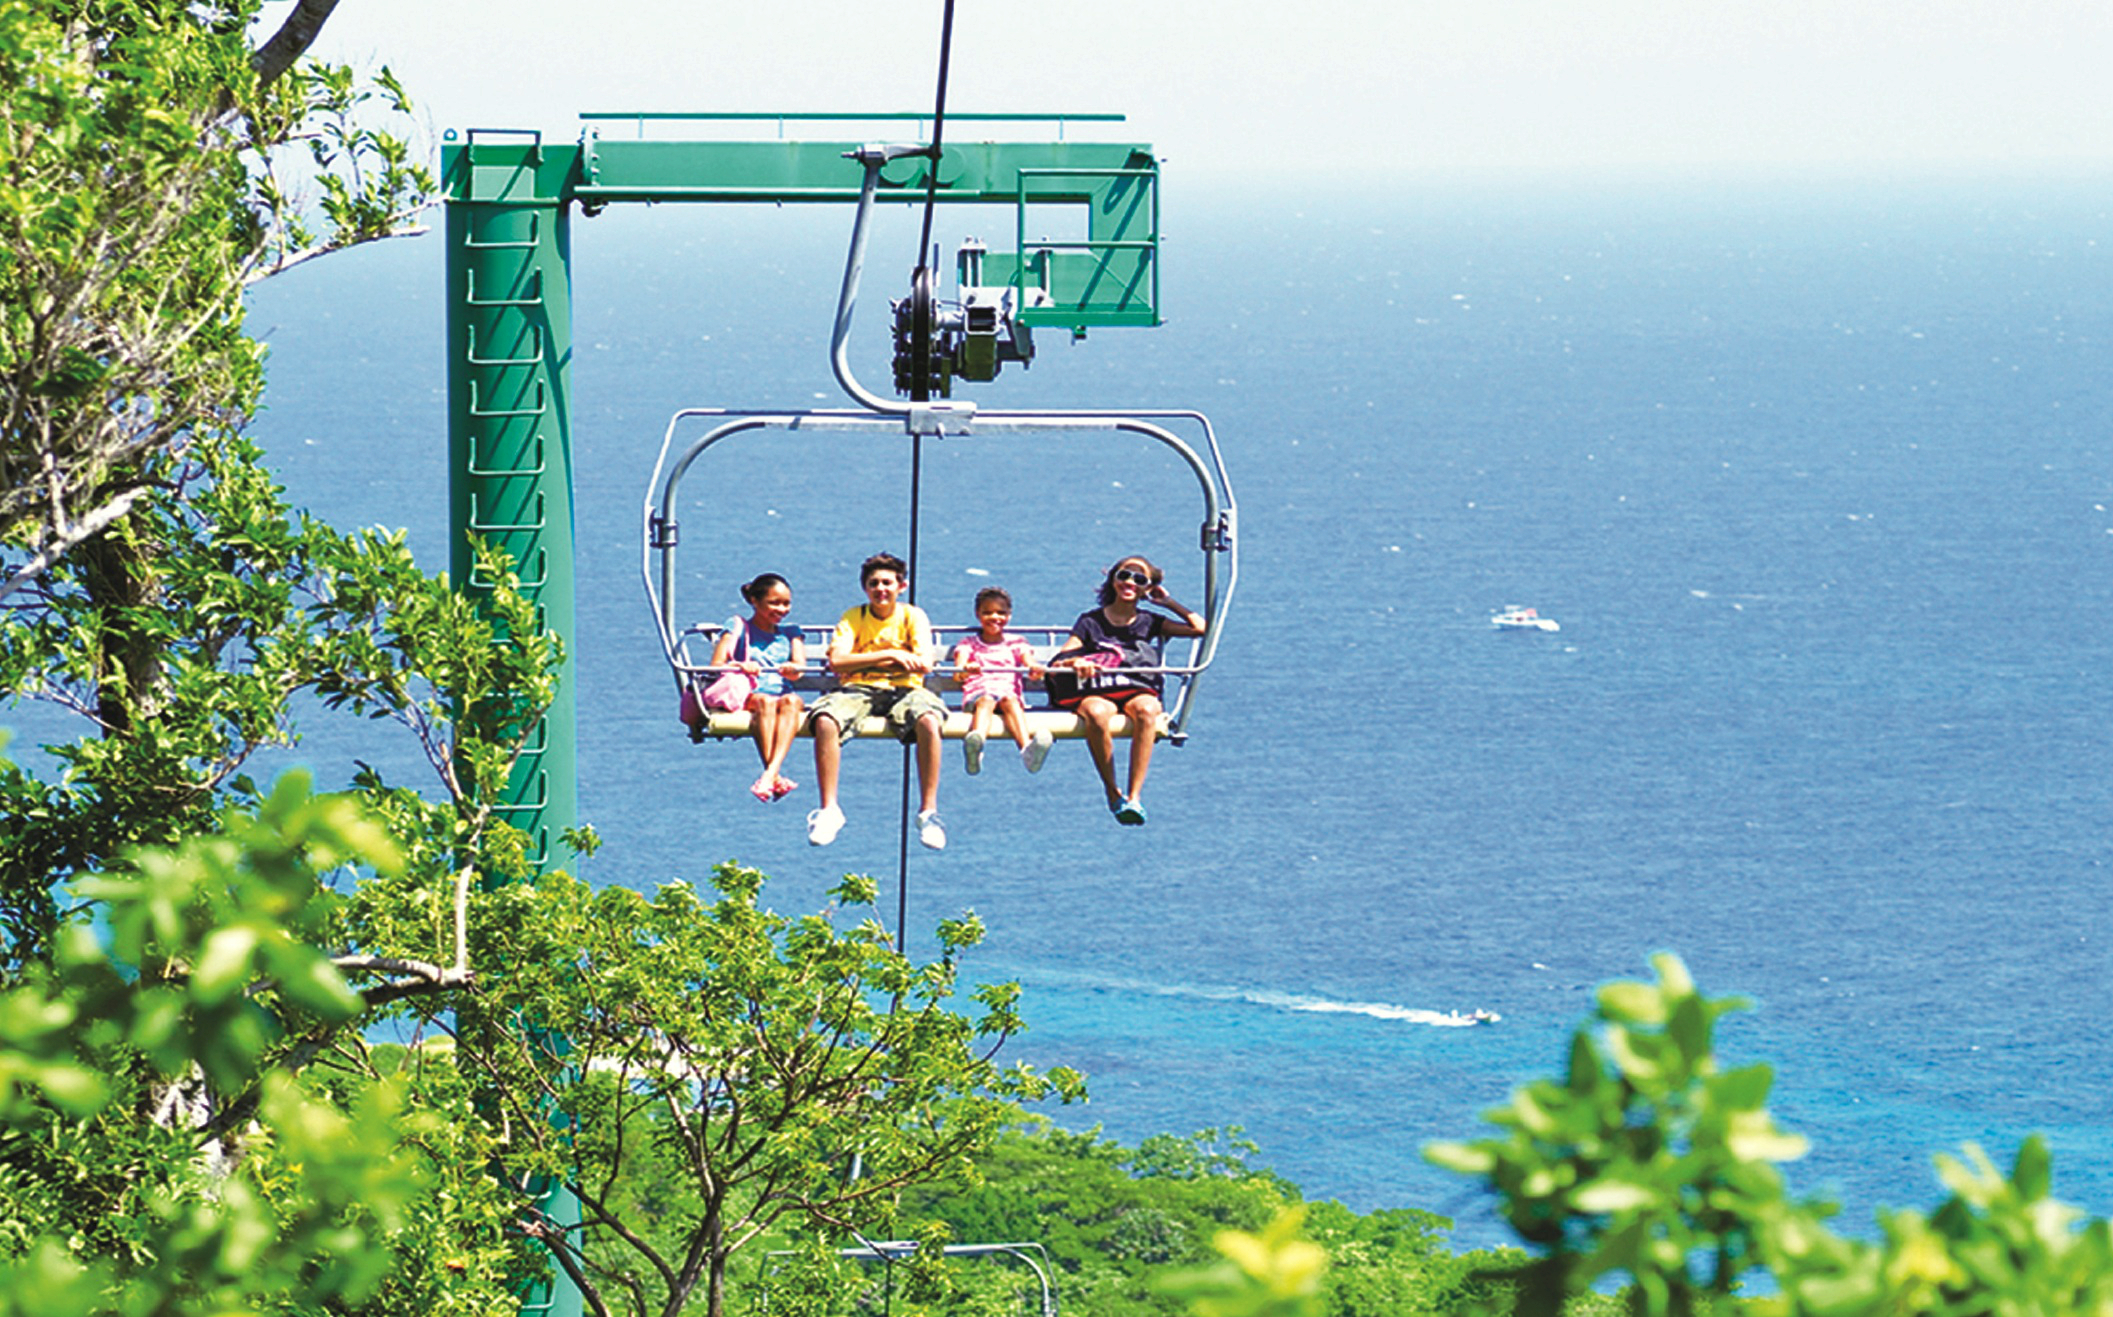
[990, 666]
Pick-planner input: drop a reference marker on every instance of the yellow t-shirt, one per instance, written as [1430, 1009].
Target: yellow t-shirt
[858, 631]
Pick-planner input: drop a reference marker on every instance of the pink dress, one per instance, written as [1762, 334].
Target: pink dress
[1004, 667]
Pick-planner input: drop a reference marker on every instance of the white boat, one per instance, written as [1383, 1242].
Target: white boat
[1515, 618]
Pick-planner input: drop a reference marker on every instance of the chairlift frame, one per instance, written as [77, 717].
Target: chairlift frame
[917, 420]
[1216, 540]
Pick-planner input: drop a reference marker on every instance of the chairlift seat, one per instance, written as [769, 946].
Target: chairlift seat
[1061, 724]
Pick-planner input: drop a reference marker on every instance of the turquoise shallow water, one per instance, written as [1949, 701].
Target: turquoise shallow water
[1815, 479]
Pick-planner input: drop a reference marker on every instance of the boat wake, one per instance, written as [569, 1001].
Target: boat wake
[1271, 999]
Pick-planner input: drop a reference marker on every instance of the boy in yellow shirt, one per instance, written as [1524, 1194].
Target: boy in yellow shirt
[880, 652]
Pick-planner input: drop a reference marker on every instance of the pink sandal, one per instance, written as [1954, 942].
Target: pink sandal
[782, 788]
[764, 791]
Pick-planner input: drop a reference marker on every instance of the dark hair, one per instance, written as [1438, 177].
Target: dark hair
[992, 592]
[882, 562]
[763, 585]
[1107, 590]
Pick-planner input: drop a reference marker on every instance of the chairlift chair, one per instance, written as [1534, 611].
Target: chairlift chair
[935, 341]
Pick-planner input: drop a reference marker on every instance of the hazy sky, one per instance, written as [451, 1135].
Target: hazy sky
[1361, 86]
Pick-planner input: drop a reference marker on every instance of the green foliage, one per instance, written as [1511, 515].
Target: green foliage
[129, 1192]
[138, 194]
[249, 605]
[233, 605]
[190, 1120]
[1274, 1273]
[1111, 1216]
[1998, 1244]
[1643, 1156]
[1115, 1220]
[181, 635]
[370, 186]
[702, 1070]
[1390, 1261]
[120, 294]
[1646, 1159]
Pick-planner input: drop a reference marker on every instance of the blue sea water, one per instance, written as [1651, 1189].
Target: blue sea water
[1815, 476]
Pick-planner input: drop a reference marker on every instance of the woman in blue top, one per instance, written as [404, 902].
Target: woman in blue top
[1120, 634]
[765, 648]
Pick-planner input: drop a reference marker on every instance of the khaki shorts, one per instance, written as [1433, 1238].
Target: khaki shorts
[902, 706]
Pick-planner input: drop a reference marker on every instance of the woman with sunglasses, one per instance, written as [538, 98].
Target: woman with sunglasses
[1121, 634]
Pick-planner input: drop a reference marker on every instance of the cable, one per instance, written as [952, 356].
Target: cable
[902, 857]
[931, 188]
[918, 282]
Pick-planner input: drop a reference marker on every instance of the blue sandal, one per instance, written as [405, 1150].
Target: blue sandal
[1130, 814]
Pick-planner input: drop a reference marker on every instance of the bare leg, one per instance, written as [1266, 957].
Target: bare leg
[978, 728]
[1100, 742]
[979, 715]
[928, 747]
[1143, 712]
[1009, 710]
[761, 728]
[785, 722]
[828, 756]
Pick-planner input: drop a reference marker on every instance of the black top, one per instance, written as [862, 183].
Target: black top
[1138, 642]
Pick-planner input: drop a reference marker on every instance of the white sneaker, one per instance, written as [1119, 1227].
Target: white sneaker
[930, 830]
[972, 752]
[1036, 750]
[823, 825]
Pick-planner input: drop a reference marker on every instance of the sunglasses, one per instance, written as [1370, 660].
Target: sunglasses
[1133, 578]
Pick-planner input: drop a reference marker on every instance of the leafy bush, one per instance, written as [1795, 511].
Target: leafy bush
[1648, 1160]
[1118, 1220]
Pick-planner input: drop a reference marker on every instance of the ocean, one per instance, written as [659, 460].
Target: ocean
[1814, 474]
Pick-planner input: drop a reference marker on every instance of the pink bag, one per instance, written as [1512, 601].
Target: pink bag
[729, 691]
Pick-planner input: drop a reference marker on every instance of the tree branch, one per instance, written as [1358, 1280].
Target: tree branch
[306, 254]
[63, 540]
[613, 1223]
[555, 1239]
[418, 977]
[292, 40]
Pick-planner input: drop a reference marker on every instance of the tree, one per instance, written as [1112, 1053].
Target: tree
[1647, 1159]
[751, 1068]
[188, 1077]
[140, 190]
[202, 975]
[256, 603]
[1117, 1221]
[159, 587]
